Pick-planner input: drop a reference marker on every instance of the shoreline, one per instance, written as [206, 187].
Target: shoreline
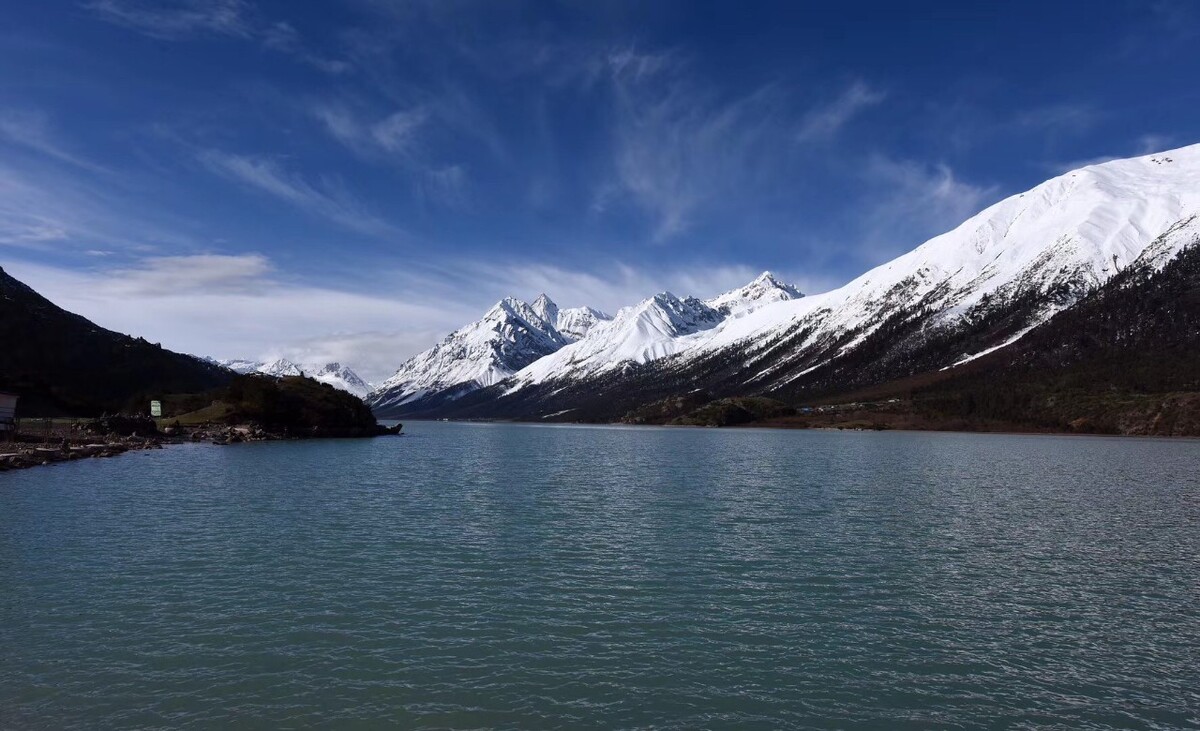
[24, 456]
[767, 426]
[19, 455]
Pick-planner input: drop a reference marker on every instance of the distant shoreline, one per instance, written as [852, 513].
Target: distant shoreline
[784, 427]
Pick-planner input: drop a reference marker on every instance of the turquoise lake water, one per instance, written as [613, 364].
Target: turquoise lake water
[505, 576]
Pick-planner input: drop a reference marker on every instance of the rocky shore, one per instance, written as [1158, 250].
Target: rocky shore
[18, 456]
[112, 436]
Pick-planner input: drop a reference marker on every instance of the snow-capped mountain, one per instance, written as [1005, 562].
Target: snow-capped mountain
[970, 291]
[577, 340]
[762, 291]
[653, 329]
[334, 374]
[237, 365]
[280, 368]
[509, 337]
[1029, 256]
[341, 377]
[647, 331]
[575, 323]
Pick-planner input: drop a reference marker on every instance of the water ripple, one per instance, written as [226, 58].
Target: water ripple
[478, 576]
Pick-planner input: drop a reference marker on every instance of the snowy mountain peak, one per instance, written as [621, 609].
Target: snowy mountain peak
[510, 336]
[765, 289]
[341, 377]
[644, 332]
[281, 367]
[512, 309]
[574, 323]
[546, 309]
[767, 280]
[237, 365]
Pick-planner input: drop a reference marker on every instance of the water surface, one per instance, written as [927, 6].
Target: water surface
[500, 576]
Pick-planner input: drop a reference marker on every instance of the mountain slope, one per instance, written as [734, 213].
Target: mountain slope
[971, 291]
[61, 363]
[1125, 360]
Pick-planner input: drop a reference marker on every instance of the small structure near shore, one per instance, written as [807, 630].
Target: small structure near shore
[8, 415]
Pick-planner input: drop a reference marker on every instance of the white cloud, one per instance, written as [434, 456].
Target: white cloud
[822, 123]
[328, 199]
[198, 273]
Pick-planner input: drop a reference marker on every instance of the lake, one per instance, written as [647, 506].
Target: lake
[508, 576]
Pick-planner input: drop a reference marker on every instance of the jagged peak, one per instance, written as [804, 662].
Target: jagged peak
[598, 314]
[546, 309]
[509, 306]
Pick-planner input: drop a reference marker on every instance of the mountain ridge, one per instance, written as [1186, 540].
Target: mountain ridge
[973, 290]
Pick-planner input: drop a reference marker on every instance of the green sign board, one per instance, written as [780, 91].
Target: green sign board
[156, 408]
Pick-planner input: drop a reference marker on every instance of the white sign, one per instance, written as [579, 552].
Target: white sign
[156, 408]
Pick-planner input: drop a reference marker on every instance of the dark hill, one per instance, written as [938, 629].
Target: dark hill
[62, 364]
[291, 406]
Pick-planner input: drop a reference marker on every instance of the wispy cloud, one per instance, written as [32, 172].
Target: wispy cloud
[283, 37]
[175, 19]
[823, 122]
[678, 146]
[329, 198]
[44, 206]
[395, 139]
[914, 201]
[395, 133]
[32, 129]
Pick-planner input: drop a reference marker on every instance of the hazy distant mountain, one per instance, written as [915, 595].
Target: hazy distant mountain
[335, 374]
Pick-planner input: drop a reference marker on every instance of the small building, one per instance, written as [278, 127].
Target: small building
[8, 413]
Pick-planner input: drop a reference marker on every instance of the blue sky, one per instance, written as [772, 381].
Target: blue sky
[351, 180]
